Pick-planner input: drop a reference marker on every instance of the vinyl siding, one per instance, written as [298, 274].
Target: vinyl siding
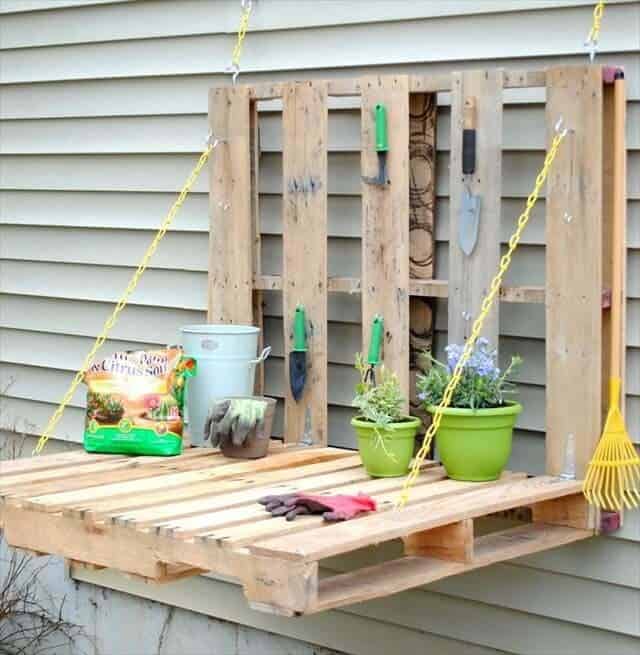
[102, 114]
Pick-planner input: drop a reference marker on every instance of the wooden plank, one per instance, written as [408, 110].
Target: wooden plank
[95, 479]
[231, 231]
[570, 511]
[278, 587]
[422, 198]
[12, 483]
[126, 506]
[522, 79]
[257, 296]
[452, 542]
[176, 512]
[426, 288]
[409, 572]
[514, 79]
[385, 229]
[57, 501]
[318, 544]
[471, 275]
[430, 485]
[304, 271]
[574, 267]
[45, 462]
[382, 489]
[53, 533]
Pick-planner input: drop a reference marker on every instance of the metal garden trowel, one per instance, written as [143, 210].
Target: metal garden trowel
[468, 221]
[469, 214]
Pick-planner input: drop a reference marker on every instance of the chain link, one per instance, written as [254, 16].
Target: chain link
[594, 34]
[124, 299]
[487, 304]
[242, 32]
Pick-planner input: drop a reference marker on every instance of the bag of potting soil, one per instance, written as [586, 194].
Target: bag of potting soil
[135, 402]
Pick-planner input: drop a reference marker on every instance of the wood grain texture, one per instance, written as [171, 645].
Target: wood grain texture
[422, 199]
[257, 296]
[231, 230]
[385, 228]
[409, 572]
[470, 276]
[570, 511]
[450, 542]
[304, 271]
[574, 267]
[351, 535]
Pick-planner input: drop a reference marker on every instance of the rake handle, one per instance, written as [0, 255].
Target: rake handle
[619, 221]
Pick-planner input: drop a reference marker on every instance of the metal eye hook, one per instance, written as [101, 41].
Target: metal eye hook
[592, 46]
[560, 129]
[245, 5]
[212, 140]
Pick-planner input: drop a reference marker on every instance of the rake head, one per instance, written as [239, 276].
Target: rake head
[613, 476]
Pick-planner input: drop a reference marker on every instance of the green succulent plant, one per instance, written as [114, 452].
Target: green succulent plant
[381, 404]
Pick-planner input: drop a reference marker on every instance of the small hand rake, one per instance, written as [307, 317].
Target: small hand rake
[613, 475]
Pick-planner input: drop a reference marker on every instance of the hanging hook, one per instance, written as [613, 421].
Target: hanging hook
[213, 141]
[592, 47]
[560, 128]
[245, 5]
[234, 69]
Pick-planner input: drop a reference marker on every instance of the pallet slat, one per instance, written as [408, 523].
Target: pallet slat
[304, 269]
[385, 228]
[319, 544]
[231, 234]
[471, 275]
[574, 267]
[409, 572]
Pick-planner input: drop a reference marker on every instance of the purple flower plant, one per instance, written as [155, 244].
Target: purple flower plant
[482, 361]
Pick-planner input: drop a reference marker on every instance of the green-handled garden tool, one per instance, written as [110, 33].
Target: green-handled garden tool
[298, 356]
[382, 147]
[375, 346]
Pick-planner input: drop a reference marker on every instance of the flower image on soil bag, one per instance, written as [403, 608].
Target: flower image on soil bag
[135, 402]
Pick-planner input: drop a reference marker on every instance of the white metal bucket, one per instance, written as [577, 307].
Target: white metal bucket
[226, 357]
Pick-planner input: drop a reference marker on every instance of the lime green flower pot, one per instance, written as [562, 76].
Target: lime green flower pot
[388, 455]
[475, 445]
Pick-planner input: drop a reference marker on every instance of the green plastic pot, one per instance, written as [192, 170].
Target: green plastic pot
[475, 445]
[392, 460]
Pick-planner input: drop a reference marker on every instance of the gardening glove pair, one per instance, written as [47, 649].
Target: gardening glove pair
[332, 508]
[232, 420]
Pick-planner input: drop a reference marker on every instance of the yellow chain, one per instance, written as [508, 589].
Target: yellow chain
[242, 31]
[487, 304]
[133, 282]
[594, 33]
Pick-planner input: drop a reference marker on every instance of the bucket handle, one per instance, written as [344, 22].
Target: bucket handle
[263, 355]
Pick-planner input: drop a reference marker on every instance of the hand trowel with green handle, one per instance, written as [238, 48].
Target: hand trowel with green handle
[298, 356]
[375, 346]
[382, 147]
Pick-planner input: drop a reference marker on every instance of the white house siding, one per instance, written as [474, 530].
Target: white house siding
[103, 113]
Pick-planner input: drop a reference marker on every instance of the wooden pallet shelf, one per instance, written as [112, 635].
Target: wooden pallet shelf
[164, 519]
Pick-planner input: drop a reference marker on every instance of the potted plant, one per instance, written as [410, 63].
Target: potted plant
[475, 433]
[386, 435]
